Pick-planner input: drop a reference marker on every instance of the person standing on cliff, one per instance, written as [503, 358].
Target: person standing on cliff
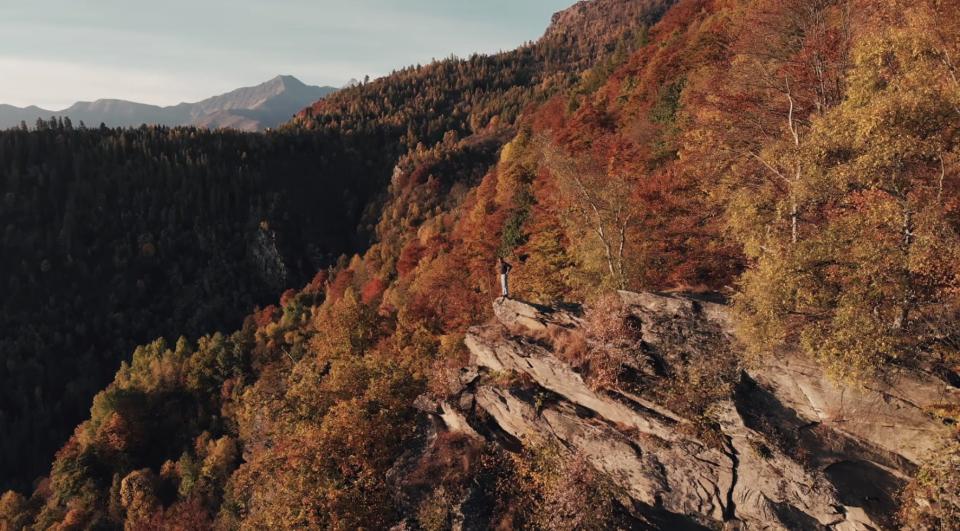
[503, 269]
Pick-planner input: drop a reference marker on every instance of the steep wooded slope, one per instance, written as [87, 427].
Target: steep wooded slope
[357, 401]
[114, 237]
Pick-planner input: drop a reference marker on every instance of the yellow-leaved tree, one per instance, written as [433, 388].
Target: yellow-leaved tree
[601, 214]
[877, 269]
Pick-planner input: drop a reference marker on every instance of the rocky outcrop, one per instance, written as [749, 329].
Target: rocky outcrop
[788, 449]
[264, 255]
[890, 415]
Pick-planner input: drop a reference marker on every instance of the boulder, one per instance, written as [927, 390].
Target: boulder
[514, 313]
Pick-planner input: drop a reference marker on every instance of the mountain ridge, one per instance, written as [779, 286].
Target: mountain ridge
[251, 108]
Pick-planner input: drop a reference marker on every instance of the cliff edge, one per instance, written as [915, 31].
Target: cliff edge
[691, 436]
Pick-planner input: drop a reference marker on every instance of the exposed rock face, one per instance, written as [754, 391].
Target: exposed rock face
[265, 256]
[790, 449]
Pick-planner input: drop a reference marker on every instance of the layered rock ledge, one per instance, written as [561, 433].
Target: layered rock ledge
[788, 448]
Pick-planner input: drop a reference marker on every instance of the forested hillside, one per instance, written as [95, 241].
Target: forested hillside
[798, 159]
[421, 104]
[112, 238]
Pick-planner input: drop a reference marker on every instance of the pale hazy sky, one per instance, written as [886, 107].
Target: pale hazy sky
[56, 52]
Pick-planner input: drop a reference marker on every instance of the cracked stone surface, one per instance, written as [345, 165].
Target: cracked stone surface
[852, 448]
[890, 415]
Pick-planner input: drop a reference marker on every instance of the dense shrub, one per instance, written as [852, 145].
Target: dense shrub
[932, 499]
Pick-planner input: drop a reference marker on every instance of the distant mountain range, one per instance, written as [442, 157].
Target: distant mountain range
[248, 109]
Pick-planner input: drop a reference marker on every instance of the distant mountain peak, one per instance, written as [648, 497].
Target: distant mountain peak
[285, 82]
[252, 108]
[289, 80]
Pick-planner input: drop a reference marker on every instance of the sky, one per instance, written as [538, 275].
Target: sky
[56, 52]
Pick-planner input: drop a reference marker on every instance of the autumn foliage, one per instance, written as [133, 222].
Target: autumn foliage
[800, 157]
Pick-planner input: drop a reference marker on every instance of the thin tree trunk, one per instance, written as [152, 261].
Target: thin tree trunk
[794, 208]
[599, 224]
[793, 222]
[608, 251]
[623, 238]
[901, 320]
[951, 71]
[943, 173]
